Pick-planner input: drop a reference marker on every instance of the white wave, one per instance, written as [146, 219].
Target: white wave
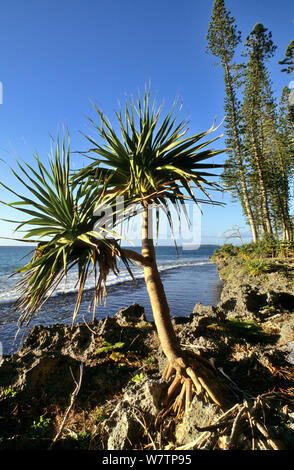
[9, 294]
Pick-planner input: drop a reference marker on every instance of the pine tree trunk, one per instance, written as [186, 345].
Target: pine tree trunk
[258, 160]
[283, 198]
[244, 191]
[263, 192]
[158, 300]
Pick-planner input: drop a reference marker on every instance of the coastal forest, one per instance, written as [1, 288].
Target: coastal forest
[259, 127]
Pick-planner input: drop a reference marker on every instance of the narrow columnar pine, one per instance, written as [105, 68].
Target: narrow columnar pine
[285, 119]
[277, 150]
[259, 48]
[259, 141]
[289, 62]
[289, 58]
[285, 134]
[223, 38]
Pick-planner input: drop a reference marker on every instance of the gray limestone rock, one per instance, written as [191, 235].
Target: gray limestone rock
[137, 408]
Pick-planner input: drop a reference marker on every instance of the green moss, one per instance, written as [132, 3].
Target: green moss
[150, 360]
[9, 393]
[143, 325]
[246, 329]
[109, 348]
[226, 272]
[40, 428]
[82, 439]
[137, 378]
[99, 414]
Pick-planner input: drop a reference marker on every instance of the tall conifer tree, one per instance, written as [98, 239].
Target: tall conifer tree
[259, 48]
[289, 58]
[223, 38]
[258, 132]
[289, 62]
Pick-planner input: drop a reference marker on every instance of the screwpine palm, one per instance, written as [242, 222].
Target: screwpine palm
[64, 216]
[154, 163]
[149, 165]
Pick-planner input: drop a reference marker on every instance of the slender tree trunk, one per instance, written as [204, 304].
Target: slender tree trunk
[283, 194]
[258, 156]
[261, 218]
[158, 300]
[263, 192]
[244, 191]
[189, 370]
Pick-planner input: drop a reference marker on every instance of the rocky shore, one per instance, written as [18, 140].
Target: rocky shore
[249, 337]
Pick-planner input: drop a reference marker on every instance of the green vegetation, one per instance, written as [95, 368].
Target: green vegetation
[109, 348]
[267, 247]
[9, 393]
[259, 129]
[152, 164]
[245, 329]
[150, 360]
[256, 267]
[99, 414]
[289, 58]
[225, 251]
[138, 377]
[40, 428]
[265, 256]
[83, 439]
[63, 214]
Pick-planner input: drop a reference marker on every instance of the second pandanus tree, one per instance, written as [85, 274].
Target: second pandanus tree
[152, 163]
[59, 220]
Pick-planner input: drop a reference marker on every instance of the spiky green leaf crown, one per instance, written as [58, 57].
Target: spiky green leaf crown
[152, 161]
[65, 216]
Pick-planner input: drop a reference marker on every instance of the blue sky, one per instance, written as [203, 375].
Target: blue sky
[56, 56]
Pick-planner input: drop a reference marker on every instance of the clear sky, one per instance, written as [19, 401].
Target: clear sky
[56, 56]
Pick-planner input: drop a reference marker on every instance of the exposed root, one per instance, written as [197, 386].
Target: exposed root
[244, 422]
[191, 374]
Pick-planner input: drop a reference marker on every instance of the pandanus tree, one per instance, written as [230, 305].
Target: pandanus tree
[59, 221]
[152, 163]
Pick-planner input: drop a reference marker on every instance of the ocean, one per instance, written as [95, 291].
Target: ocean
[189, 277]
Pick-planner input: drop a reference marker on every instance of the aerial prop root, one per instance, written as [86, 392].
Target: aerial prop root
[193, 374]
